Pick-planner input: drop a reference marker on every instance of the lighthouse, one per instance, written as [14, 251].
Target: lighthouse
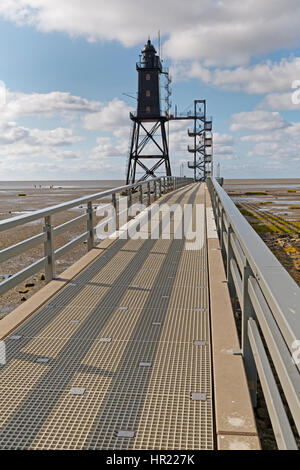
[149, 152]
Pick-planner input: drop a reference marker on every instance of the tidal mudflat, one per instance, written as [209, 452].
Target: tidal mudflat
[273, 209]
[18, 198]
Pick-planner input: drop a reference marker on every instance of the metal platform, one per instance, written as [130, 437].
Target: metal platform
[120, 358]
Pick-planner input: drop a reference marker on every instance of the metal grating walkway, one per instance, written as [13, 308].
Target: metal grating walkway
[121, 357]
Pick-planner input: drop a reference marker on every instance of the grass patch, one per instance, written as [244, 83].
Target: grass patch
[291, 191]
[260, 226]
[264, 203]
[294, 207]
[246, 213]
[264, 228]
[254, 193]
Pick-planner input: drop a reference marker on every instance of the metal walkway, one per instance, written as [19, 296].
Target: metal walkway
[121, 357]
[135, 346]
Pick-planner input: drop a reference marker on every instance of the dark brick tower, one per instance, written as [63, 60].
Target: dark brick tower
[149, 140]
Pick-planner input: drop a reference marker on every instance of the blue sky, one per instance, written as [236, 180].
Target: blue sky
[65, 66]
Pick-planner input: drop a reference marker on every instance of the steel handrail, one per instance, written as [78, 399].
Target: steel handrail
[270, 298]
[159, 186]
[48, 211]
[281, 291]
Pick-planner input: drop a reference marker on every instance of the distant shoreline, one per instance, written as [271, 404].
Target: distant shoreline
[60, 184]
[285, 180]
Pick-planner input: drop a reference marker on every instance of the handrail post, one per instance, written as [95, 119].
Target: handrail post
[129, 199]
[222, 229]
[229, 256]
[49, 250]
[217, 213]
[219, 219]
[141, 193]
[90, 226]
[114, 202]
[174, 183]
[159, 188]
[155, 191]
[148, 194]
[248, 312]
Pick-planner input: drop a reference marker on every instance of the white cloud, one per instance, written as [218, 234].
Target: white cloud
[223, 146]
[285, 151]
[272, 139]
[55, 137]
[257, 121]
[261, 78]
[11, 133]
[20, 145]
[105, 148]
[112, 116]
[31, 145]
[223, 139]
[45, 104]
[279, 147]
[279, 101]
[215, 32]
[67, 155]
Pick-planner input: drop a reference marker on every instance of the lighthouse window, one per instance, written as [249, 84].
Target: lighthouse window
[147, 76]
[148, 93]
[148, 109]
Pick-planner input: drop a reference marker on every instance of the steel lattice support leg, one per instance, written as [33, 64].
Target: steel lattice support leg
[141, 138]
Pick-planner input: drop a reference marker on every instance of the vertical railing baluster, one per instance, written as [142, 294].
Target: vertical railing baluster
[248, 312]
[229, 257]
[49, 250]
[114, 203]
[129, 199]
[141, 193]
[222, 230]
[90, 226]
[148, 194]
[129, 204]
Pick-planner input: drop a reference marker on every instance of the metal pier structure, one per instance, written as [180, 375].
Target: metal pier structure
[135, 346]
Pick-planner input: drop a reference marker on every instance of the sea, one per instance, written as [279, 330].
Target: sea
[62, 184]
[96, 184]
[260, 183]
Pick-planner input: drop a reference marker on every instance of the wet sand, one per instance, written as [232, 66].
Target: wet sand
[281, 196]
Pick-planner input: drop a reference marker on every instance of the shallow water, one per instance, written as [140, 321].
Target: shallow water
[262, 186]
[61, 184]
